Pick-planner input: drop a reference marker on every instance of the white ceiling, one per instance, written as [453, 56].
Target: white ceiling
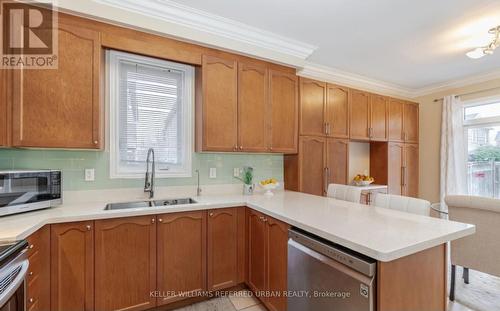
[413, 44]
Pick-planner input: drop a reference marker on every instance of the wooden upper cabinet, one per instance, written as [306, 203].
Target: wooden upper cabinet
[411, 122]
[395, 168]
[312, 107]
[5, 105]
[378, 117]
[72, 266]
[256, 251]
[312, 159]
[359, 121]
[411, 172]
[125, 263]
[337, 159]
[337, 111]
[395, 118]
[276, 265]
[217, 105]
[283, 94]
[253, 125]
[222, 240]
[181, 255]
[61, 108]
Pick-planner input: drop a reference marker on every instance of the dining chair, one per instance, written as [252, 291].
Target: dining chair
[344, 192]
[480, 251]
[402, 203]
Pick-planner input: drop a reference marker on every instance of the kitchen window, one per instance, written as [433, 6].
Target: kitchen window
[482, 137]
[151, 106]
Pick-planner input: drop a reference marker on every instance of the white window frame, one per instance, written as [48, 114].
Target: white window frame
[113, 59]
[477, 123]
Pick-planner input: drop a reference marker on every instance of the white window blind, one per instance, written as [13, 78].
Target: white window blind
[151, 107]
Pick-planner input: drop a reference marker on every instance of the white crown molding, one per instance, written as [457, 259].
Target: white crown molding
[458, 83]
[199, 20]
[337, 76]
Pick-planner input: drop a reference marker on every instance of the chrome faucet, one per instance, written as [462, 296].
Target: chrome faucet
[149, 181]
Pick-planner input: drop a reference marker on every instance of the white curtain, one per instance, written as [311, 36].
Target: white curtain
[453, 165]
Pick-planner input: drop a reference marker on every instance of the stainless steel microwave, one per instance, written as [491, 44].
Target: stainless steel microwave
[27, 190]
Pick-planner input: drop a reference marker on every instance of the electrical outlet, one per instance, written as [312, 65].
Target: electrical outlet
[89, 174]
[236, 172]
[213, 173]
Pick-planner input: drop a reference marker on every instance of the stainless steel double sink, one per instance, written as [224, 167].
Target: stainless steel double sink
[152, 204]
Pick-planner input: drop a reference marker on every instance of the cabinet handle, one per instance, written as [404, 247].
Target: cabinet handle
[371, 132]
[241, 147]
[261, 217]
[30, 246]
[96, 142]
[235, 148]
[264, 220]
[326, 177]
[325, 128]
[211, 214]
[160, 220]
[403, 176]
[31, 273]
[88, 227]
[31, 300]
[152, 220]
[329, 130]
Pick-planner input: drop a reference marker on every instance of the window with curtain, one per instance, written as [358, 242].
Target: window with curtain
[482, 137]
[151, 104]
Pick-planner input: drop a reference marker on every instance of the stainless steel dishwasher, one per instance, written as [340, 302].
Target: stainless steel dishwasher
[324, 276]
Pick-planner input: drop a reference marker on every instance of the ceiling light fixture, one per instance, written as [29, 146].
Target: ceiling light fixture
[488, 49]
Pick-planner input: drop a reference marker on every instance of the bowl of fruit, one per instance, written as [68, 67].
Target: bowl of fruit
[363, 180]
[269, 185]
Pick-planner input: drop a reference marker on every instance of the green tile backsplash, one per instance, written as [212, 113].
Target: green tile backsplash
[73, 163]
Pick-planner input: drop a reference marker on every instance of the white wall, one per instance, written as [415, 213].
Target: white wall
[359, 159]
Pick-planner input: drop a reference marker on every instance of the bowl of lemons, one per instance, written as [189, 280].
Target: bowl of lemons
[363, 180]
[269, 185]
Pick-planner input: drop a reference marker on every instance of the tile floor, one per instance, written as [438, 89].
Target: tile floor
[238, 301]
[244, 301]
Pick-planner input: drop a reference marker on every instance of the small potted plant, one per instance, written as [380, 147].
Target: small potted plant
[247, 179]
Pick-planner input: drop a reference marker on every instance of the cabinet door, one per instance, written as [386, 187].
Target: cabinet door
[222, 248]
[284, 111]
[252, 108]
[219, 104]
[277, 250]
[395, 168]
[125, 263]
[395, 119]
[312, 165]
[5, 97]
[312, 107]
[337, 111]
[411, 122]
[72, 266]
[411, 170]
[378, 117]
[256, 251]
[38, 278]
[61, 108]
[337, 157]
[359, 115]
[181, 255]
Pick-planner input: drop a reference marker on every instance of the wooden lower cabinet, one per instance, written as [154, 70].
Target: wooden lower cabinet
[267, 259]
[125, 263]
[256, 251]
[72, 266]
[38, 279]
[181, 255]
[222, 237]
[276, 263]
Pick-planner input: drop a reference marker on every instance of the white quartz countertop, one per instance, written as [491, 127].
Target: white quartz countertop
[379, 233]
